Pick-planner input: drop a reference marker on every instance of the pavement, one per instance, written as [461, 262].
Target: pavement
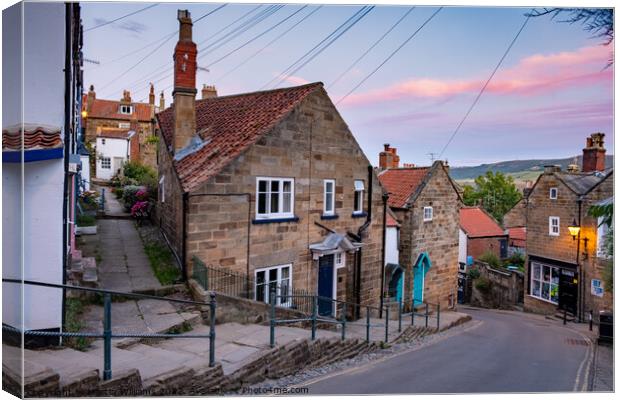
[602, 370]
[497, 352]
[112, 207]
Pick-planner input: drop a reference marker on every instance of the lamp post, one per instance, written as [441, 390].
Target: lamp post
[574, 229]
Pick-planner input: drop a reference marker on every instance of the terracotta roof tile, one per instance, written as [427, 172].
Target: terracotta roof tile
[113, 133]
[35, 137]
[477, 223]
[109, 109]
[517, 236]
[229, 125]
[401, 183]
[391, 221]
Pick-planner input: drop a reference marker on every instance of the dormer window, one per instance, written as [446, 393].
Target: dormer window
[553, 193]
[125, 109]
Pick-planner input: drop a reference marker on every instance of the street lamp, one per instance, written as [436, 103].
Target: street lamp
[574, 229]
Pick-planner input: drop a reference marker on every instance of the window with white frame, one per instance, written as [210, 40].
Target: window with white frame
[124, 125]
[106, 163]
[554, 226]
[277, 279]
[544, 282]
[125, 109]
[428, 214]
[358, 199]
[601, 238]
[329, 191]
[274, 198]
[339, 259]
[162, 193]
[553, 193]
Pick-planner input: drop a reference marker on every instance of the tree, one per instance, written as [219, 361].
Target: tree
[597, 21]
[606, 213]
[495, 192]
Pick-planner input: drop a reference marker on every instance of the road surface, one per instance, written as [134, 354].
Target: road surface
[498, 352]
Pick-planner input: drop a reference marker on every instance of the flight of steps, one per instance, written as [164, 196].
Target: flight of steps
[328, 351]
[412, 333]
[82, 271]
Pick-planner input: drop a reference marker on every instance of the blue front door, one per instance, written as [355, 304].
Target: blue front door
[421, 267]
[326, 284]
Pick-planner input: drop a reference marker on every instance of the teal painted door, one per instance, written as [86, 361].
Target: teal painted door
[421, 267]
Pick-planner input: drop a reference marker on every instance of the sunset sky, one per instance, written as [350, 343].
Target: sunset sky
[551, 92]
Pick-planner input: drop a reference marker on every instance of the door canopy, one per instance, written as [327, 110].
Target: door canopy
[333, 243]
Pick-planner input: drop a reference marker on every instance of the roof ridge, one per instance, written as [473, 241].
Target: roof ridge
[318, 83]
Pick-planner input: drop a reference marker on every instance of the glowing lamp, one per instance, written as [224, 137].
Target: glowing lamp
[574, 229]
[84, 114]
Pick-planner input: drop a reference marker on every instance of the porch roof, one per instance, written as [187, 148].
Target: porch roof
[333, 243]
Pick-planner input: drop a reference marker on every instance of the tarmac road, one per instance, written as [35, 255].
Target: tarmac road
[501, 351]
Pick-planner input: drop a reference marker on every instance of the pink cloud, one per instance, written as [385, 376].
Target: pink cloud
[535, 74]
[295, 80]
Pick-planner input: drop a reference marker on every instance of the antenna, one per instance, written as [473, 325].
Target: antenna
[432, 156]
[202, 69]
[88, 60]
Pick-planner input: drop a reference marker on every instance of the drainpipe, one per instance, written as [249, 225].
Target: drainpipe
[249, 197]
[383, 239]
[360, 231]
[183, 245]
[580, 294]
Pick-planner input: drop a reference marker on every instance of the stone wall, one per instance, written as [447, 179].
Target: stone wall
[311, 144]
[439, 238]
[516, 215]
[506, 288]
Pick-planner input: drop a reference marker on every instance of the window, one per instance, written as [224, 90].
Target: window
[274, 279]
[601, 236]
[544, 282]
[554, 226]
[106, 163]
[428, 214]
[125, 109]
[329, 186]
[162, 196]
[339, 259]
[124, 125]
[553, 193]
[358, 199]
[275, 198]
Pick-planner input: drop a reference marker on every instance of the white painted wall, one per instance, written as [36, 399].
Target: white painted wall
[391, 245]
[462, 246]
[85, 172]
[112, 148]
[42, 188]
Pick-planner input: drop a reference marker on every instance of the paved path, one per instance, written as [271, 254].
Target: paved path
[112, 206]
[500, 352]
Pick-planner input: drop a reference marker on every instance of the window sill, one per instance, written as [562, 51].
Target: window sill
[329, 216]
[541, 299]
[359, 215]
[274, 220]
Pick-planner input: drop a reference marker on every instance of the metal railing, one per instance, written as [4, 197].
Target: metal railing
[222, 281]
[107, 333]
[427, 307]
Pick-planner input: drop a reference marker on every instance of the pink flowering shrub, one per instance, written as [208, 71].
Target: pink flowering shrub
[140, 209]
[142, 195]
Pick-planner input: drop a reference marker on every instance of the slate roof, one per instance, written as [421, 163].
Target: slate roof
[582, 183]
[401, 183]
[478, 223]
[109, 109]
[35, 137]
[227, 126]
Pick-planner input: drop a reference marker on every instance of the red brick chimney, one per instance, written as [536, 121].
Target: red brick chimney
[134, 141]
[594, 153]
[184, 93]
[388, 157]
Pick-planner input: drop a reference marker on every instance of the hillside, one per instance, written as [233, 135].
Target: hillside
[520, 170]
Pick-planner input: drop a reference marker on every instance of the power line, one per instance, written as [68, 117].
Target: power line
[170, 36]
[371, 47]
[390, 56]
[485, 85]
[268, 44]
[295, 66]
[256, 37]
[119, 18]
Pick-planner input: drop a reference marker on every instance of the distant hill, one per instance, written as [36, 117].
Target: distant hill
[519, 169]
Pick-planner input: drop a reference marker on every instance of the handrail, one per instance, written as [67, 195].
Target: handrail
[107, 333]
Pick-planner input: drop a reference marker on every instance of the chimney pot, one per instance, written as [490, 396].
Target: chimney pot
[386, 147]
[594, 153]
[208, 91]
[152, 95]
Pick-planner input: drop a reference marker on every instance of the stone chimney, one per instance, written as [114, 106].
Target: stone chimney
[528, 188]
[388, 158]
[594, 153]
[162, 102]
[90, 98]
[126, 99]
[550, 169]
[152, 95]
[208, 92]
[184, 93]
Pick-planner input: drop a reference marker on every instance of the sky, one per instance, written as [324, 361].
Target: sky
[551, 91]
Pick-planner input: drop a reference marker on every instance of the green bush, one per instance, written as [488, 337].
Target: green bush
[518, 260]
[86, 220]
[142, 174]
[473, 274]
[483, 285]
[491, 259]
[129, 196]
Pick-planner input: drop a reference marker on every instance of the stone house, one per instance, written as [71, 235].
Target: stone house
[117, 120]
[271, 185]
[482, 233]
[426, 203]
[565, 271]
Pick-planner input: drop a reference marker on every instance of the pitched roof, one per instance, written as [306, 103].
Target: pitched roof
[517, 236]
[112, 133]
[390, 220]
[35, 137]
[401, 183]
[582, 183]
[227, 126]
[478, 223]
[109, 109]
